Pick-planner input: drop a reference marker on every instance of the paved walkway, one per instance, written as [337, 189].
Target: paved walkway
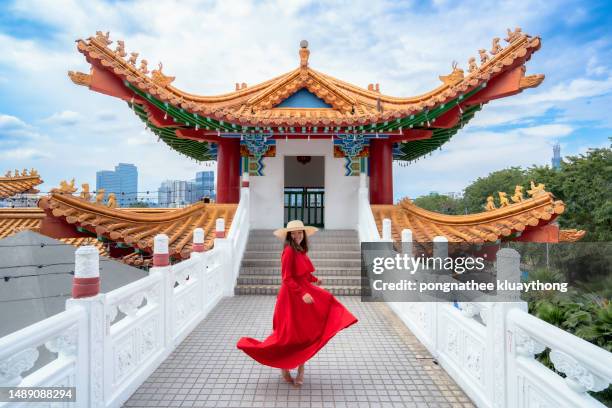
[375, 363]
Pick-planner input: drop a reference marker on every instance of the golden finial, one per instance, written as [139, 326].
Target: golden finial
[7, 174]
[16, 173]
[495, 47]
[304, 54]
[159, 78]
[120, 49]
[85, 191]
[112, 201]
[100, 196]
[518, 194]
[455, 76]
[65, 187]
[473, 67]
[536, 190]
[132, 60]
[33, 172]
[484, 57]
[503, 199]
[490, 204]
[143, 66]
[103, 38]
[24, 172]
[515, 35]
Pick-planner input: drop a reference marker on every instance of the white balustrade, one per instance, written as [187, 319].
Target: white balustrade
[109, 344]
[488, 348]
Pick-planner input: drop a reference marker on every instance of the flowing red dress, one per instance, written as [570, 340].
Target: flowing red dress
[299, 329]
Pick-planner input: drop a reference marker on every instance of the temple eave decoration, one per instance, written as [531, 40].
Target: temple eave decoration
[176, 115]
[19, 183]
[135, 229]
[528, 220]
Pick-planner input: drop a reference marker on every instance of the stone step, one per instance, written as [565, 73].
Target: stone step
[339, 263]
[311, 240]
[323, 271]
[276, 280]
[273, 290]
[312, 247]
[320, 233]
[248, 255]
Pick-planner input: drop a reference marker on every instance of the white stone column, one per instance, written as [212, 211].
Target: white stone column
[161, 266]
[386, 230]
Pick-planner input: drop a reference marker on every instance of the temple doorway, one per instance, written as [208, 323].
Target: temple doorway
[304, 192]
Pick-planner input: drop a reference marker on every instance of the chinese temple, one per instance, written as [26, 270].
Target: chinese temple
[303, 143]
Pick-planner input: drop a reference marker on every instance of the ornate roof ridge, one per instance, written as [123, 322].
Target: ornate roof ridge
[374, 106]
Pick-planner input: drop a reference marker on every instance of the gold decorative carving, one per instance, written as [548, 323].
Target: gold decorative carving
[143, 66]
[159, 78]
[518, 194]
[536, 190]
[112, 201]
[103, 38]
[304, 54]
[133, 57]
[100, 196]
[120, 50]
[503, 199]
[454, 77]
[515, 35]
[65, 187]
[80, 78]
[490, 204]
[484, 57]
[473, 67]
[85, 191]
[531, 81]
[495, 47]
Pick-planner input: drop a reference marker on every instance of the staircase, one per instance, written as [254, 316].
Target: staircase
[335, 255]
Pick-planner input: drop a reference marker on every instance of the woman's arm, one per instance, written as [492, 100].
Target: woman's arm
[288, 270]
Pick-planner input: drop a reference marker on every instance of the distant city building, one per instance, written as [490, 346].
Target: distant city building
[179, 193]
[556, 159]
[205, 184]
[123, 182]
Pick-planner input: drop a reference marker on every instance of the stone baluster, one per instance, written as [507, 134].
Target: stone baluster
[386, 230]
[161, 266]
[407, 242]
[198, 240]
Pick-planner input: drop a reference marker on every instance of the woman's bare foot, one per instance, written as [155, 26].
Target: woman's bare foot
[287, 376]
[299, 379]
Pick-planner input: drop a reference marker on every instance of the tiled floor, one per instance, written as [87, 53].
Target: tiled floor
[375, 363]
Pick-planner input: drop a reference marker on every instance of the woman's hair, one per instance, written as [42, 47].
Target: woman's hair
[303, 247]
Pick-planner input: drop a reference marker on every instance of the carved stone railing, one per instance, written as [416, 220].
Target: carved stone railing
[366, 227]
[488, 348]
[109, 344]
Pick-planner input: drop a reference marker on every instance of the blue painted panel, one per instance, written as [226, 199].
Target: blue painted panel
[303, 99]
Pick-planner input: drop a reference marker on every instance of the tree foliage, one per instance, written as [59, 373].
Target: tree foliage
[440, 203]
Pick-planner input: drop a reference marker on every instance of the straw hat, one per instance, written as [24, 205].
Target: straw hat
[295, 225]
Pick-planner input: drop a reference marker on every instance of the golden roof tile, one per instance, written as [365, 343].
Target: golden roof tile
[17, 183]
[138, 228]
[476, 228]
[255, 105]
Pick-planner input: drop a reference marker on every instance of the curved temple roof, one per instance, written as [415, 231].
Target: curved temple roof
[353, 109]
[12, 184]
[138, 228]
[476, 228]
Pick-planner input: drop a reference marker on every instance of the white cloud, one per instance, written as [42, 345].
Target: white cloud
[23, 154]
[9, 122]
[63, 118]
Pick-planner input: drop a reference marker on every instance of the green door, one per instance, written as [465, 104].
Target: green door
[306, 204]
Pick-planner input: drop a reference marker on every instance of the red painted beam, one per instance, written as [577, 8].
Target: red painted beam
[409, 135]
[105, 82]
[447, 120]
[156, 116]
[198, 135]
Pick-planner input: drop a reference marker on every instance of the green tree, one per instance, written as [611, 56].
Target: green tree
[584, 183]
[440, 203]
[475, 195]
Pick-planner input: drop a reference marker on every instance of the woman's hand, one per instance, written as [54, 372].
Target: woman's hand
[307, 298]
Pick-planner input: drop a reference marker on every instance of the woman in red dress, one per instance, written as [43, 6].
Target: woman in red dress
[305, 317]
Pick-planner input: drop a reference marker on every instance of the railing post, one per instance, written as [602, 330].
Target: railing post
[90, 368]
[161, 265]
[198, 240]
[407, 242]
[225, 256]
[498, 342]
[386, 230]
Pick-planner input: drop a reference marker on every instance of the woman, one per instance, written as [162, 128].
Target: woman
[305, 318]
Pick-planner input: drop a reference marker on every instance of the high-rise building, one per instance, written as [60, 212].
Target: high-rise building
[177, 193]
[123, 182]
[205, 184]
[556, 159]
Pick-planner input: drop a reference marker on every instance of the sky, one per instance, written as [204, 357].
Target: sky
[67, 131]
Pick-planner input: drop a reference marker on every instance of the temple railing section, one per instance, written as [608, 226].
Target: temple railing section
[488, 348]
[366, 227]
[109, 344]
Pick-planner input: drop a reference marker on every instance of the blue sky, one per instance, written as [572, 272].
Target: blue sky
[67, 131]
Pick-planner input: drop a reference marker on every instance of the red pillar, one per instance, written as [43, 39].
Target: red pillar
[228, 171]
[381, 171]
